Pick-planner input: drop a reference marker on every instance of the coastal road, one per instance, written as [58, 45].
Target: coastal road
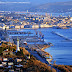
[43, 60]
[38, 57]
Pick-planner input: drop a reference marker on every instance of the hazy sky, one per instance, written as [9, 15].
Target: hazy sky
[36, 1]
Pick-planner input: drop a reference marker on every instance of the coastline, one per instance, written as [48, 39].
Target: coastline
[38, 51]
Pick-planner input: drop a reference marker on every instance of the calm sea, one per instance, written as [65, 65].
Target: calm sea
[62, 49]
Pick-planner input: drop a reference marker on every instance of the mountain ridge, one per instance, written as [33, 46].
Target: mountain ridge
[60, 6]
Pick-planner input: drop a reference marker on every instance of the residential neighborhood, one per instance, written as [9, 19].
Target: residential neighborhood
[13, 20]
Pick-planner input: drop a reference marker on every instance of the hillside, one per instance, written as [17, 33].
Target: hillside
[54, 7]
[28, 65]
[35, 7]
[15, 7]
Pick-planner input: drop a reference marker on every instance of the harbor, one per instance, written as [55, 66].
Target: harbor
[49, 38]
[35, 36]
[33, 42]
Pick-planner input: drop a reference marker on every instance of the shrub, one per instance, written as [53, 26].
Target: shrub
[53, 70]
[68, 67]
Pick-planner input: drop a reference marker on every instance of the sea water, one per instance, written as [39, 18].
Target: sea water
[62, 49]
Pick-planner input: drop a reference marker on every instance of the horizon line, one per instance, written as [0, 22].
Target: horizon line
[14, 2]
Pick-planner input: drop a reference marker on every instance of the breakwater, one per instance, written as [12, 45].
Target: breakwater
[66, 38]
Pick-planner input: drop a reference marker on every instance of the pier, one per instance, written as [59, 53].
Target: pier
[58, 34]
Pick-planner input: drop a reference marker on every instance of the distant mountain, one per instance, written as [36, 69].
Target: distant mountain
[48, 7]
[15, 7]
[53, 7]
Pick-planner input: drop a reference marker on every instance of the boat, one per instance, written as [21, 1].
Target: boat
[50, 44]
[25, 42]
[49, 60]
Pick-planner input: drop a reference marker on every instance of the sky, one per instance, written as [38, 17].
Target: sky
[35, 1]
